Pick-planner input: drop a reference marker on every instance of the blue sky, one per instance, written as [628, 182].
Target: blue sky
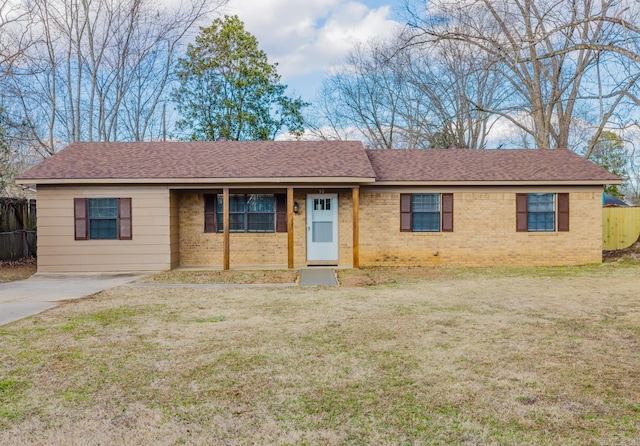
[306, 37]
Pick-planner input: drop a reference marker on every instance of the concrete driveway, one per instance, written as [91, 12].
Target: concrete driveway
[43, 291]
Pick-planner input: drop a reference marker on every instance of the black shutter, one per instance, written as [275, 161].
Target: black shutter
[405, 212]
[563, 212]
[522, 224]
[124, 219]
[210, 213]
[80, 217]
[447, 212]
[281, 212]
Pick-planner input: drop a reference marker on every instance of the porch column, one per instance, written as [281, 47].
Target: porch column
[225, 228]
[290, 227]
[356, 226]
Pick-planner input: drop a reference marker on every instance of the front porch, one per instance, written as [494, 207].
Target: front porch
[209, 229]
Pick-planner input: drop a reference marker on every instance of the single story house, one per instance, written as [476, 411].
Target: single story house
[150, 206]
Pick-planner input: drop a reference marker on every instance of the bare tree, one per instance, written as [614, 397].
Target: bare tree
[362, 97]
[399, 96]
[99, 69]
[459, 86]
[15, 35]
[558, 61]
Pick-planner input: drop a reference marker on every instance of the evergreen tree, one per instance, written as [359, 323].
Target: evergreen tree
[228, 88]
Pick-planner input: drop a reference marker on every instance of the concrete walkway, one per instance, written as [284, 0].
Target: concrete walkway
[212, 286]
[42, 291]
[318, 276]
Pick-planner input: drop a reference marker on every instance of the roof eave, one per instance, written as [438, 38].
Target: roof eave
[305, 180]
[499, 183]
[195, 181]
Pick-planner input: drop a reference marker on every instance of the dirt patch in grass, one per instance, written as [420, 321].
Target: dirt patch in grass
[17, 270]
[377, 276]
[630, 254]
[472, 357]
[223, 277]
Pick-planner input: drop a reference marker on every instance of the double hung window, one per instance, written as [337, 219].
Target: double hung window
[426, 212]
[247, 213]
[102, 218]
[542, 212]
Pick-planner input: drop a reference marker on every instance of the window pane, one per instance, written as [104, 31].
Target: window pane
[426, 203]
[322, 232]
[426, 222]
[236, 203]
[103, 229]
[261, 222]
[541, 203]
[236, 223]
[260, 203]
[103, 207]
[542, 221]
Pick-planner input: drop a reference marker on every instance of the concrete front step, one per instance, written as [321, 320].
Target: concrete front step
[317, 276]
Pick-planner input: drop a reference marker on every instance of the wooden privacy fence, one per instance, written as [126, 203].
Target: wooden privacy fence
[17, 228]
[620, 227]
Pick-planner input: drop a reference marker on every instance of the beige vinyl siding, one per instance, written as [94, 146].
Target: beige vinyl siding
[149, 250]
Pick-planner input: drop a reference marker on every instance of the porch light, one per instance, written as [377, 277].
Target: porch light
[296, 208]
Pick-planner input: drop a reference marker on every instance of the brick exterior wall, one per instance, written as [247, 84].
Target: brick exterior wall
[198, 248]
[484, 233]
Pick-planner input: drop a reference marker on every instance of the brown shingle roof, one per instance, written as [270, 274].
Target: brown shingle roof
[220, 159]
[255, 160]
[464, 165]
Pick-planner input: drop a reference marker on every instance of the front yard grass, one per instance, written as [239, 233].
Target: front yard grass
[492, 357]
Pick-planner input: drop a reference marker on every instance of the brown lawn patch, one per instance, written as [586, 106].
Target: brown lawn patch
[17, 270]
[534, 357]
[223, 277]
[376, 276]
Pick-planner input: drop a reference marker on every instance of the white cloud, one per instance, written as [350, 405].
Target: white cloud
[306, 37]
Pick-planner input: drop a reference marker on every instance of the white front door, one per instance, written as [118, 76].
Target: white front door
[322, 228]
